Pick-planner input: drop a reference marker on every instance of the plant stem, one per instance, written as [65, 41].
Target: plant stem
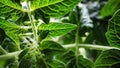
[9, 55]
[26, 27]
[91, 46]
[26, 34]
[77, 38]
[34, 27]
[76, 46]
[3, 50]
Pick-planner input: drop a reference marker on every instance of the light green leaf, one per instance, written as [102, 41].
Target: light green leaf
[108, 59]
[56, 26]
[11, 30]
[110, 8]
[11, 4]
[37, 4]
[10, 9]
[113, 33]
[58, 8]
[57, 29]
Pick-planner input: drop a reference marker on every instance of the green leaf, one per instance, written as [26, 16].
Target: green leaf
[70, 60]
[108, 59]
[37, 4]
[2, 35]
[57, 64]
[57, 29]
[28, 60]
[43, 35]
[11, 63]
[51, 49]
[11, 30]
[113, 33]
[110, 8]
[58, 8]
[83, 63]
[32, 59]
[10, 9]
[41, 62]
[51, 45]
[9, 45]
[23, 53]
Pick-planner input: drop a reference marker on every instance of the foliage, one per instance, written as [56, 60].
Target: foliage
[113, 30]
[112, 58]
[28, 38]
[110, 8]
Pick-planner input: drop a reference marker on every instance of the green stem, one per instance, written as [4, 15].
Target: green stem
[26, 34]
[9, 55]
[90, 46]
[3, 50]
[34, 27]
[76, 46]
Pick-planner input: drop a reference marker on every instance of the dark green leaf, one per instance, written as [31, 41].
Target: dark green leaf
[41, 62]
[32, 59]
[51, 45]
[57, 64]
[70, 60]
[23, 53]
[110, 8]
[28, 60]
[113, 33]
[82, 63]
[108, 59]
[2, 35]
[9, 45]
[41, 15]
[43, 35]
[50, 49]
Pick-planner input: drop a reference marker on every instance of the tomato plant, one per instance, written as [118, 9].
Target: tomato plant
[30, 39]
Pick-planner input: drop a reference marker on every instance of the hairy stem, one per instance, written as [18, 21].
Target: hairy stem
[26, 34]
[9, 55]
[90, 46]
[3, 50]
[34, 27]
[77, 47]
